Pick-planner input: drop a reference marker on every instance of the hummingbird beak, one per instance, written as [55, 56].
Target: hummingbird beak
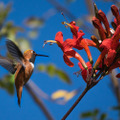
[41, 55]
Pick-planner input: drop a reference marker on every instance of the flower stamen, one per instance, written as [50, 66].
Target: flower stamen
[69, 25]
[49, 41]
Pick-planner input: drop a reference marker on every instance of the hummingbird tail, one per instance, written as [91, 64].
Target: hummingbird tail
[19, 94]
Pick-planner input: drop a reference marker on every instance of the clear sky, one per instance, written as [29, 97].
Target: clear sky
[100, 96]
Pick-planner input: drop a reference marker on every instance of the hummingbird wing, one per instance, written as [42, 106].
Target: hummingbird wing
[14, 51]
[7, 64]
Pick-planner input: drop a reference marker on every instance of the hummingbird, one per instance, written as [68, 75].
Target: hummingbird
[22, 65]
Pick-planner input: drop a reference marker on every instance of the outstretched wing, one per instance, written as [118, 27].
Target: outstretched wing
[7, 64]
[14, 51]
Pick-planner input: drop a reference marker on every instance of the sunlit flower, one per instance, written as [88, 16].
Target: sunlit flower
[79, 41]
[103, 19]
[97, 24]
[109, 47]
[115, 12]
[66, 46]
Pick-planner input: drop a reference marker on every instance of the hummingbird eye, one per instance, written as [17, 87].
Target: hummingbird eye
[33, 52]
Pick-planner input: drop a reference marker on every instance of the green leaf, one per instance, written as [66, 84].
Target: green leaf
[86, 115]
[34, 22]
[23, 44]
[90, 114]
[95, 112]
[41, 68]
[116, 108]
[103, 116]
[4, 12]
[33, 34]
[63, 76]
[7, 83]
[10, 31]
[52, 71]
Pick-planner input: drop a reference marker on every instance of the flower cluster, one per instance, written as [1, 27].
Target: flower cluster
[108, 45]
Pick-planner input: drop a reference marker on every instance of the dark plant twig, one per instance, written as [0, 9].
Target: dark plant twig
[88, 87]
[76, 102]
[61, 8]
[39, 102]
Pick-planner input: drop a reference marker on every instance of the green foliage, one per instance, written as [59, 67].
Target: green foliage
[103, 116]
[9, 31]
[53, 71]
[23, 43]
[4, 12]
[90, 114]
[33, 34]
[7, 83]
[94, 115]
[34, 22]
[116, 108]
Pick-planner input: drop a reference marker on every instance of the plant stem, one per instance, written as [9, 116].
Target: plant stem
[39, 102]
[88, 87]
[76, 102]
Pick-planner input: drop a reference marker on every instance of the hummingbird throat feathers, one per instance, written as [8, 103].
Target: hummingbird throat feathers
[32, 64]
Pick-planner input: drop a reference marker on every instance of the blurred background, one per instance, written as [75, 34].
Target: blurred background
[53, 88]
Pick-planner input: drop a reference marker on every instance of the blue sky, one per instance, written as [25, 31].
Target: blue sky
[100, 96]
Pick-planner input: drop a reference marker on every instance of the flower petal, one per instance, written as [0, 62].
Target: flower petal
[91, 43]
[73, 53]
[116, 38]
[67, 60]
[85, 46]
[103, 18]
[110, 57]
[115, 12]
[59, 37]
[68, 44]
[98, 25]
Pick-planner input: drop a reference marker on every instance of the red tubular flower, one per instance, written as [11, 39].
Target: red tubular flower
[110, 57]
[79, 42]
[66, 46]
[103, 18]
[74, 30]
[97, 24]
[109, 47]
[115, 65]
[77, 35]
[85, 73]
[115, 12]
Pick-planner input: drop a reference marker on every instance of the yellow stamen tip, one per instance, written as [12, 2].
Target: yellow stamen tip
[63, 23]
[68, 24]
[49, 41]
